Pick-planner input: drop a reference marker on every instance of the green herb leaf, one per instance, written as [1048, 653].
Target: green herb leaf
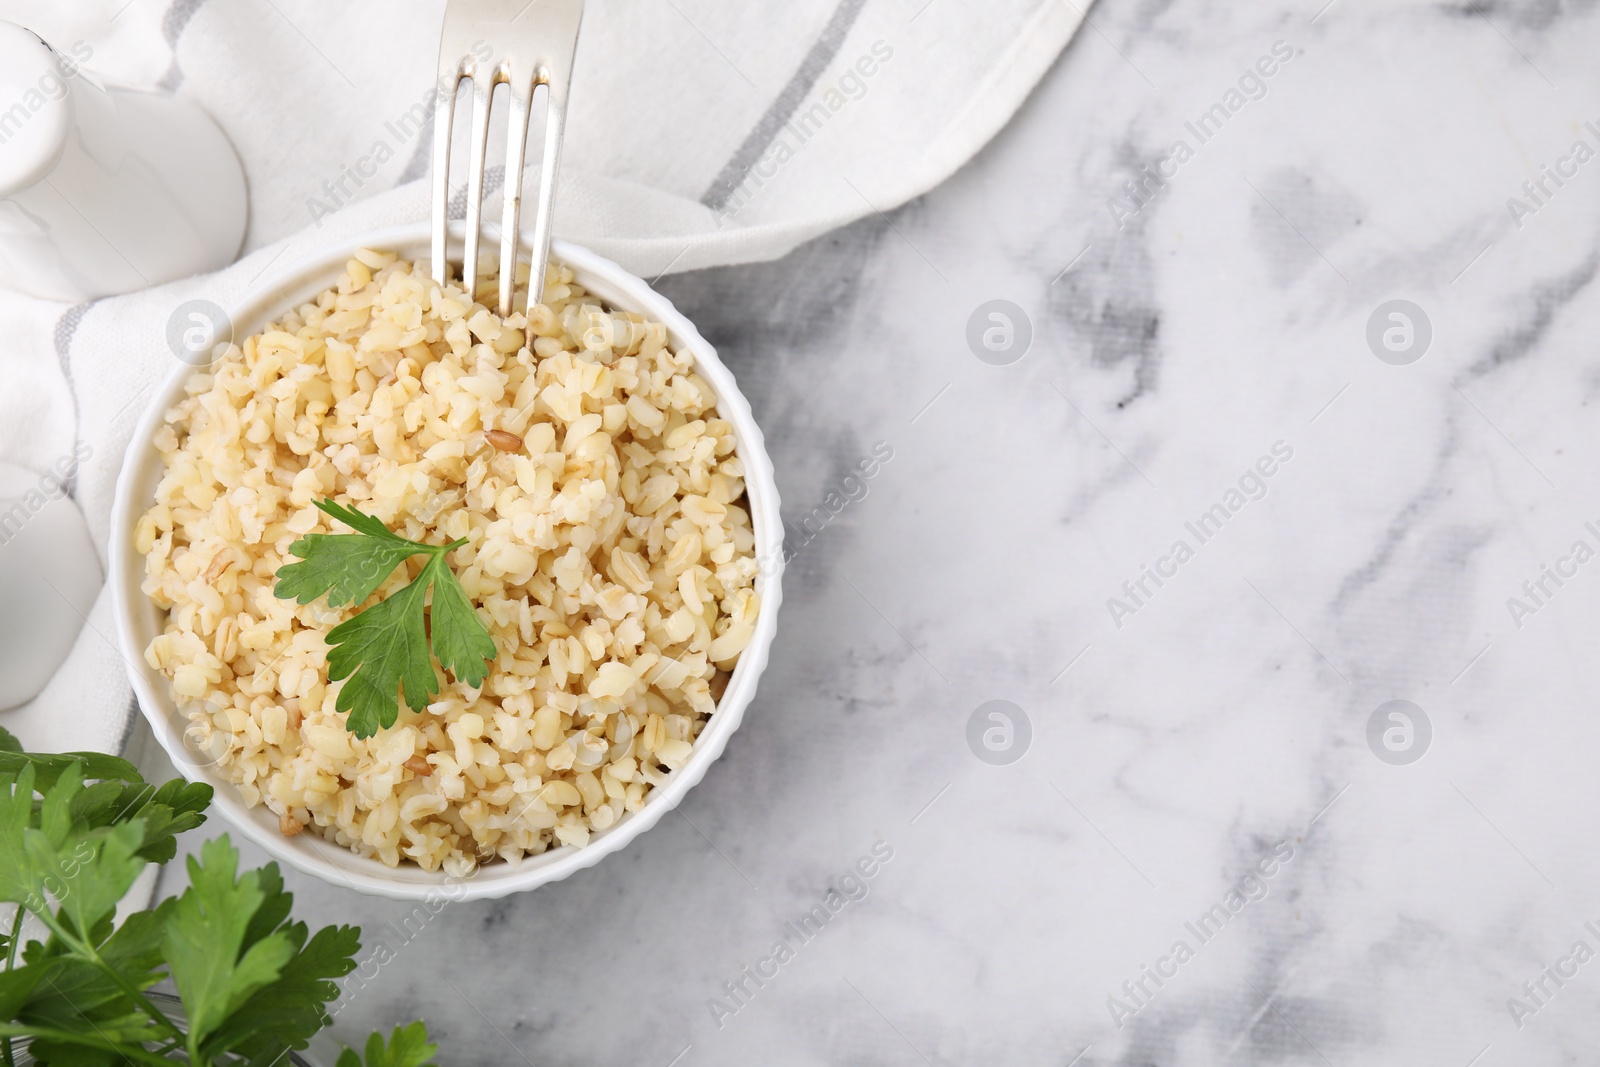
[18, 883]
[347, 567]
[134, 948]
[382, 654]
[66, 993]
[254, 983]
[407, 1047]
[102, 1041]
[164, 812]
[47, 768]
[87, 870]
[17, 986]
[380, 650]
[360, 521]
[275, 905]
[49, 852]
[204, 940]
[174, 808]
[460, 641]
[286, 1013]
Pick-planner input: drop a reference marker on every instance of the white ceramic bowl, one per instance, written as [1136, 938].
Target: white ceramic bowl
[139, 620]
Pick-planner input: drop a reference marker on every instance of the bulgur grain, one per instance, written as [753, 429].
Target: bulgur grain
[504, 440]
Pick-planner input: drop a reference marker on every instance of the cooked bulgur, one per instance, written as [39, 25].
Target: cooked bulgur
[608, 552]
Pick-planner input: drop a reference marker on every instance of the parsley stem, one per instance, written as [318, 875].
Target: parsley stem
[156, 1014]
[132, 1052]
[81, 948]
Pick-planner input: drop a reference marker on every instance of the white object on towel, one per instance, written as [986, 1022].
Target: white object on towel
[49, 577]
[106, 190]
[699, 133]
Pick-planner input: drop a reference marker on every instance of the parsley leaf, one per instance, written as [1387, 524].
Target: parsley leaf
[204, 941]
[88, 872]
[50, 852]
[380, 649]
[49, 767]
[347, 567]
[286, 1013]
[460, 641]
[165, 812]
[408, 1046]
[19, 882]
[254, 982]
[385, 653]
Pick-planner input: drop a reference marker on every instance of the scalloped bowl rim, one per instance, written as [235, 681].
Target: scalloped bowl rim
[138, 619]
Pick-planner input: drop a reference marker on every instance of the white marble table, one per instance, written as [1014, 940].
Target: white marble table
[1199, 769]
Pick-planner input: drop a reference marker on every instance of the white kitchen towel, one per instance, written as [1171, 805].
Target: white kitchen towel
[700, 133]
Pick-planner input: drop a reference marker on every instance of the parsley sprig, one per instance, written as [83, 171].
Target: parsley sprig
[384, 650]
[253, 983]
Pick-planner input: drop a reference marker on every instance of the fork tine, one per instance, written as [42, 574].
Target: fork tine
[562, 20]
[538, 39]
[483, 83]
[547, 190]
[443, 121]
[521, 85]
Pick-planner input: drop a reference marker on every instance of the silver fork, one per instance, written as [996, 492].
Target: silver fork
[532, 43]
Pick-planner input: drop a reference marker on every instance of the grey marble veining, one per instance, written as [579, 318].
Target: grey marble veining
[1215, 726]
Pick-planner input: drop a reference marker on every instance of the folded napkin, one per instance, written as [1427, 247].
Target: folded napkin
[700, 133]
